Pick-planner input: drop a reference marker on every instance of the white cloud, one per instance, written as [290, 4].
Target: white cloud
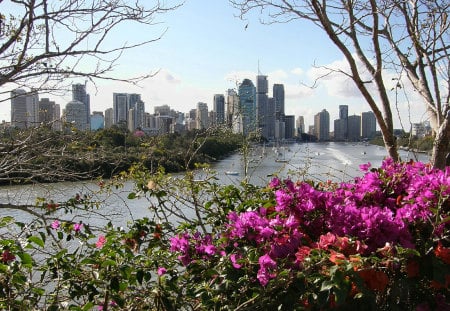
[297, 71]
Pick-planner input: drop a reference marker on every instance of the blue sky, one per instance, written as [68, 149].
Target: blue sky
[207, 50]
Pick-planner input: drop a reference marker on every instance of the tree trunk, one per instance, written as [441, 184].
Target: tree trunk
[390, 144]
[440, 146]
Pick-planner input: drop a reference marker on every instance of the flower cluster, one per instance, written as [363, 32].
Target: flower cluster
[363, 223]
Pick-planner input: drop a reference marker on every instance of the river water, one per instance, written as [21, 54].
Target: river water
[317, 161]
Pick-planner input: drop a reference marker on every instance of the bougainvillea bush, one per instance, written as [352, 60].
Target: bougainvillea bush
[380, 242]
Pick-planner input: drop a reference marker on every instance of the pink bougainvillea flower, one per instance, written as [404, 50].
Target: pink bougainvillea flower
[234, 261]
[100, 242]
[55, 225]
[77, 227]
[161, 271]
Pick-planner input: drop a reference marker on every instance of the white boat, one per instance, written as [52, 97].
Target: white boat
[232, 173]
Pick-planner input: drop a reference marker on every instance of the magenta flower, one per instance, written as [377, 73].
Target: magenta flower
[161, 271]
[101, 241]
[55, 225]
[234, 261]
[77, 227]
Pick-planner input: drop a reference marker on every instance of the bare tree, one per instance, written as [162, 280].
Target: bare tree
[45, 42]
[377, 36]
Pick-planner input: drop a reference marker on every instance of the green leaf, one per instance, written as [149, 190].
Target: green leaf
[88, 306]
[4, 221]
[26, 258]
[108, 262]
[326, 285]
[140, 276]
[36, 240]
[131, 196]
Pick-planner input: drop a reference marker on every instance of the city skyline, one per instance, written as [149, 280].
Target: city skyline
[252, 109]
[193, 62]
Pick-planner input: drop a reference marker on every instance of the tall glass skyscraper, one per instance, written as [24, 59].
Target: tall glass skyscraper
[219, 109]
[262, 87]
[247, 107]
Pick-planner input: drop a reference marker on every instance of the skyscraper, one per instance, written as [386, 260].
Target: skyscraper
[278, 95]
[354, 128]
[322, 125]
[48, 111]
[368, 124]
[75, 114]
[79, 94]
[19, 117]
[245, 122]
[300, 123]
[109, 117]
[120, 107]
[219, 109]
[202, 115]
[262, 87]
[232, 106]
[24, 108]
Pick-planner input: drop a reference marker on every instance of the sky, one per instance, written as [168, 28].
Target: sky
[206, 49]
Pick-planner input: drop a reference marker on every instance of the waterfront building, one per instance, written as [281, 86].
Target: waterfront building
[245, 120]
[289, 122]
[270, 118]
[300, 124]
[278, 96]
[368, 125]
[322, 125]
[262, 87]
[354, 128]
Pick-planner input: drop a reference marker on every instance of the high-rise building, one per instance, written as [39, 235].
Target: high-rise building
[24, 108]
[97, 120]
[354, 128]
[270, 118]
[290, 126]
[278, 96]
[202, 116]
[245, 120]
[109, 118]
[232, 106]
[120, 107]
[300, 123]
[19, 115]
[343, 112]
[219, 109]
[322, 125]
[75, 115]
[48, 112]
[262, 87]
[163, 110]
[368, 124]
[80, 94]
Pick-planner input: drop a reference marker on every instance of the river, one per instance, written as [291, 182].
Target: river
[318, 161]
